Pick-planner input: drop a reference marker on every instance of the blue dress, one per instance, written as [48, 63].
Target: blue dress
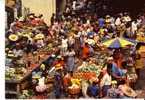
[70, 60]
[117, 71]
[70, 63]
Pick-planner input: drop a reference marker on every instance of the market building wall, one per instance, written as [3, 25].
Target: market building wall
[45, 7]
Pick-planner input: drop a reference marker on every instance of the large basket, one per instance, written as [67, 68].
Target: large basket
[73, 91]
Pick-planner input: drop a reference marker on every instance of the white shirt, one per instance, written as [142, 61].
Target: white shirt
[71, 40]
[74, 5]
[134, 26]
[106, 80]
[64, 43]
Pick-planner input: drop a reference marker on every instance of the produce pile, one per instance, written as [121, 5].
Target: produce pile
[15, 74]
[87, 72]
[91, 68]
[84, 75]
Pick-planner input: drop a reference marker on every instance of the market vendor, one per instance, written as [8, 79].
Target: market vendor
[116, 72]
[70, 60]
[106, 81]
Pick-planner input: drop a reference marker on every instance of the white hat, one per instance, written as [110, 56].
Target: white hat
[109, 58]
[21, 19]
[52, 55]
[107, 16]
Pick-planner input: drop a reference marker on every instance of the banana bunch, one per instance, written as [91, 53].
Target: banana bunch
[76, 81]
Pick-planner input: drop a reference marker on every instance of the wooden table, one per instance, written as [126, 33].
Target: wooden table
[14, 87]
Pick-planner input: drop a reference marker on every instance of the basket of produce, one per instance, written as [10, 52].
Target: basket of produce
[74, 89]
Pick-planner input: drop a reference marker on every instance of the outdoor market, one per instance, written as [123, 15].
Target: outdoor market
[78, 56]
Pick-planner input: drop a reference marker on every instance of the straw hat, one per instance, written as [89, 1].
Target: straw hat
[114, 82]
[21, 19]
[26, 35]
[128, 91]
[10, 53]
[58, 57]
[109, 58]
[42, 66]
[31, 16]
[53, 55]
[39, 36]
[13, 37]
[7, 49]
[107, 16]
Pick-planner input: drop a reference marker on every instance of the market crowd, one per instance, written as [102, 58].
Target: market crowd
[81, 66]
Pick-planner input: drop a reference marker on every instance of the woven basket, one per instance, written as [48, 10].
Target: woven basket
[74, 90]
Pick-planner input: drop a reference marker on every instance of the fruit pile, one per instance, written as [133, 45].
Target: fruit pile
[90, 69]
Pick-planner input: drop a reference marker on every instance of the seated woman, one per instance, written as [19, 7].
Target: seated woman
[116, 72]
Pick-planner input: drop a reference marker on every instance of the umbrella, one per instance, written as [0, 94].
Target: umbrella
[117, 43]
[132, 40]
[39, 36]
